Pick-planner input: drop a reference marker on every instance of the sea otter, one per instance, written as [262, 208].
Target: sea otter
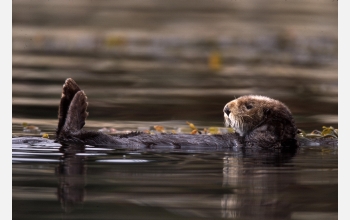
[259, 122]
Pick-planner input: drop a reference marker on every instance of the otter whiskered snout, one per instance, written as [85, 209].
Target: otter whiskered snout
[227, 113]
[227, 110]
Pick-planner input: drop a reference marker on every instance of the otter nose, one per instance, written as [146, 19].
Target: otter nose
[227, 110]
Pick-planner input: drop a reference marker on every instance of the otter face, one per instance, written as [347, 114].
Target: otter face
[247, 113]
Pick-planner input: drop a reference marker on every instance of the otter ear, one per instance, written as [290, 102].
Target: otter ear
[267, 111]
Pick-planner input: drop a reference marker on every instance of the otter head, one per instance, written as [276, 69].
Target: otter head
[256, 117]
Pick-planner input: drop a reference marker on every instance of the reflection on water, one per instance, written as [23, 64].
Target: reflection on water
[149, 63]
[76, 182]
[71, 174]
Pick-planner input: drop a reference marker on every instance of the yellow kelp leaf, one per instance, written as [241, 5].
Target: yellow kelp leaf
[194, 132]
[328, 131]
[191, 125]
[213, 130]
[113, 41]
[215, 61]
[159, 128]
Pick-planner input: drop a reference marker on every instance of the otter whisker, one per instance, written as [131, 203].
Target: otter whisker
[227, 122]
[241, 124]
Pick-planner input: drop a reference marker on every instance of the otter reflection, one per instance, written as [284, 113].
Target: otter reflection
[258, 185]
[231, 184]
[71, 173]
[234, 172]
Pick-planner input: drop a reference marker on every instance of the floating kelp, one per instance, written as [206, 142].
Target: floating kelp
[159, 128]
[328, 136]
[30, 128]
[45, 135]
[327, 132]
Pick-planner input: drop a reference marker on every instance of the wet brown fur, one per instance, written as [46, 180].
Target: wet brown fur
[261, 121]
[70, 88]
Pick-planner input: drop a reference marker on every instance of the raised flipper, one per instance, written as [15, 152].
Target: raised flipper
[72, 110]
[71, 118]
[76, 115]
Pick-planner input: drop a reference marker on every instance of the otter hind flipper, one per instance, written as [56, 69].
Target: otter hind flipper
[69, 90]
[77, 113]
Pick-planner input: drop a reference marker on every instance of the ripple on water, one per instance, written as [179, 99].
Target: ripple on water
[38, 160]
[122, 161]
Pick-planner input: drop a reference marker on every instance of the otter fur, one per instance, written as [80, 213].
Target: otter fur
[259, 122]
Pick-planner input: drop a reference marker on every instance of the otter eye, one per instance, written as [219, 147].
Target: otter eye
[248, 106]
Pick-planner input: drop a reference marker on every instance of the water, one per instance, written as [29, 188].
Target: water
[150, 63]
[157, 65]
[101, 183]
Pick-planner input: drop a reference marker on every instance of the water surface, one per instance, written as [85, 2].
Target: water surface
[100, 183]
[146, 63]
